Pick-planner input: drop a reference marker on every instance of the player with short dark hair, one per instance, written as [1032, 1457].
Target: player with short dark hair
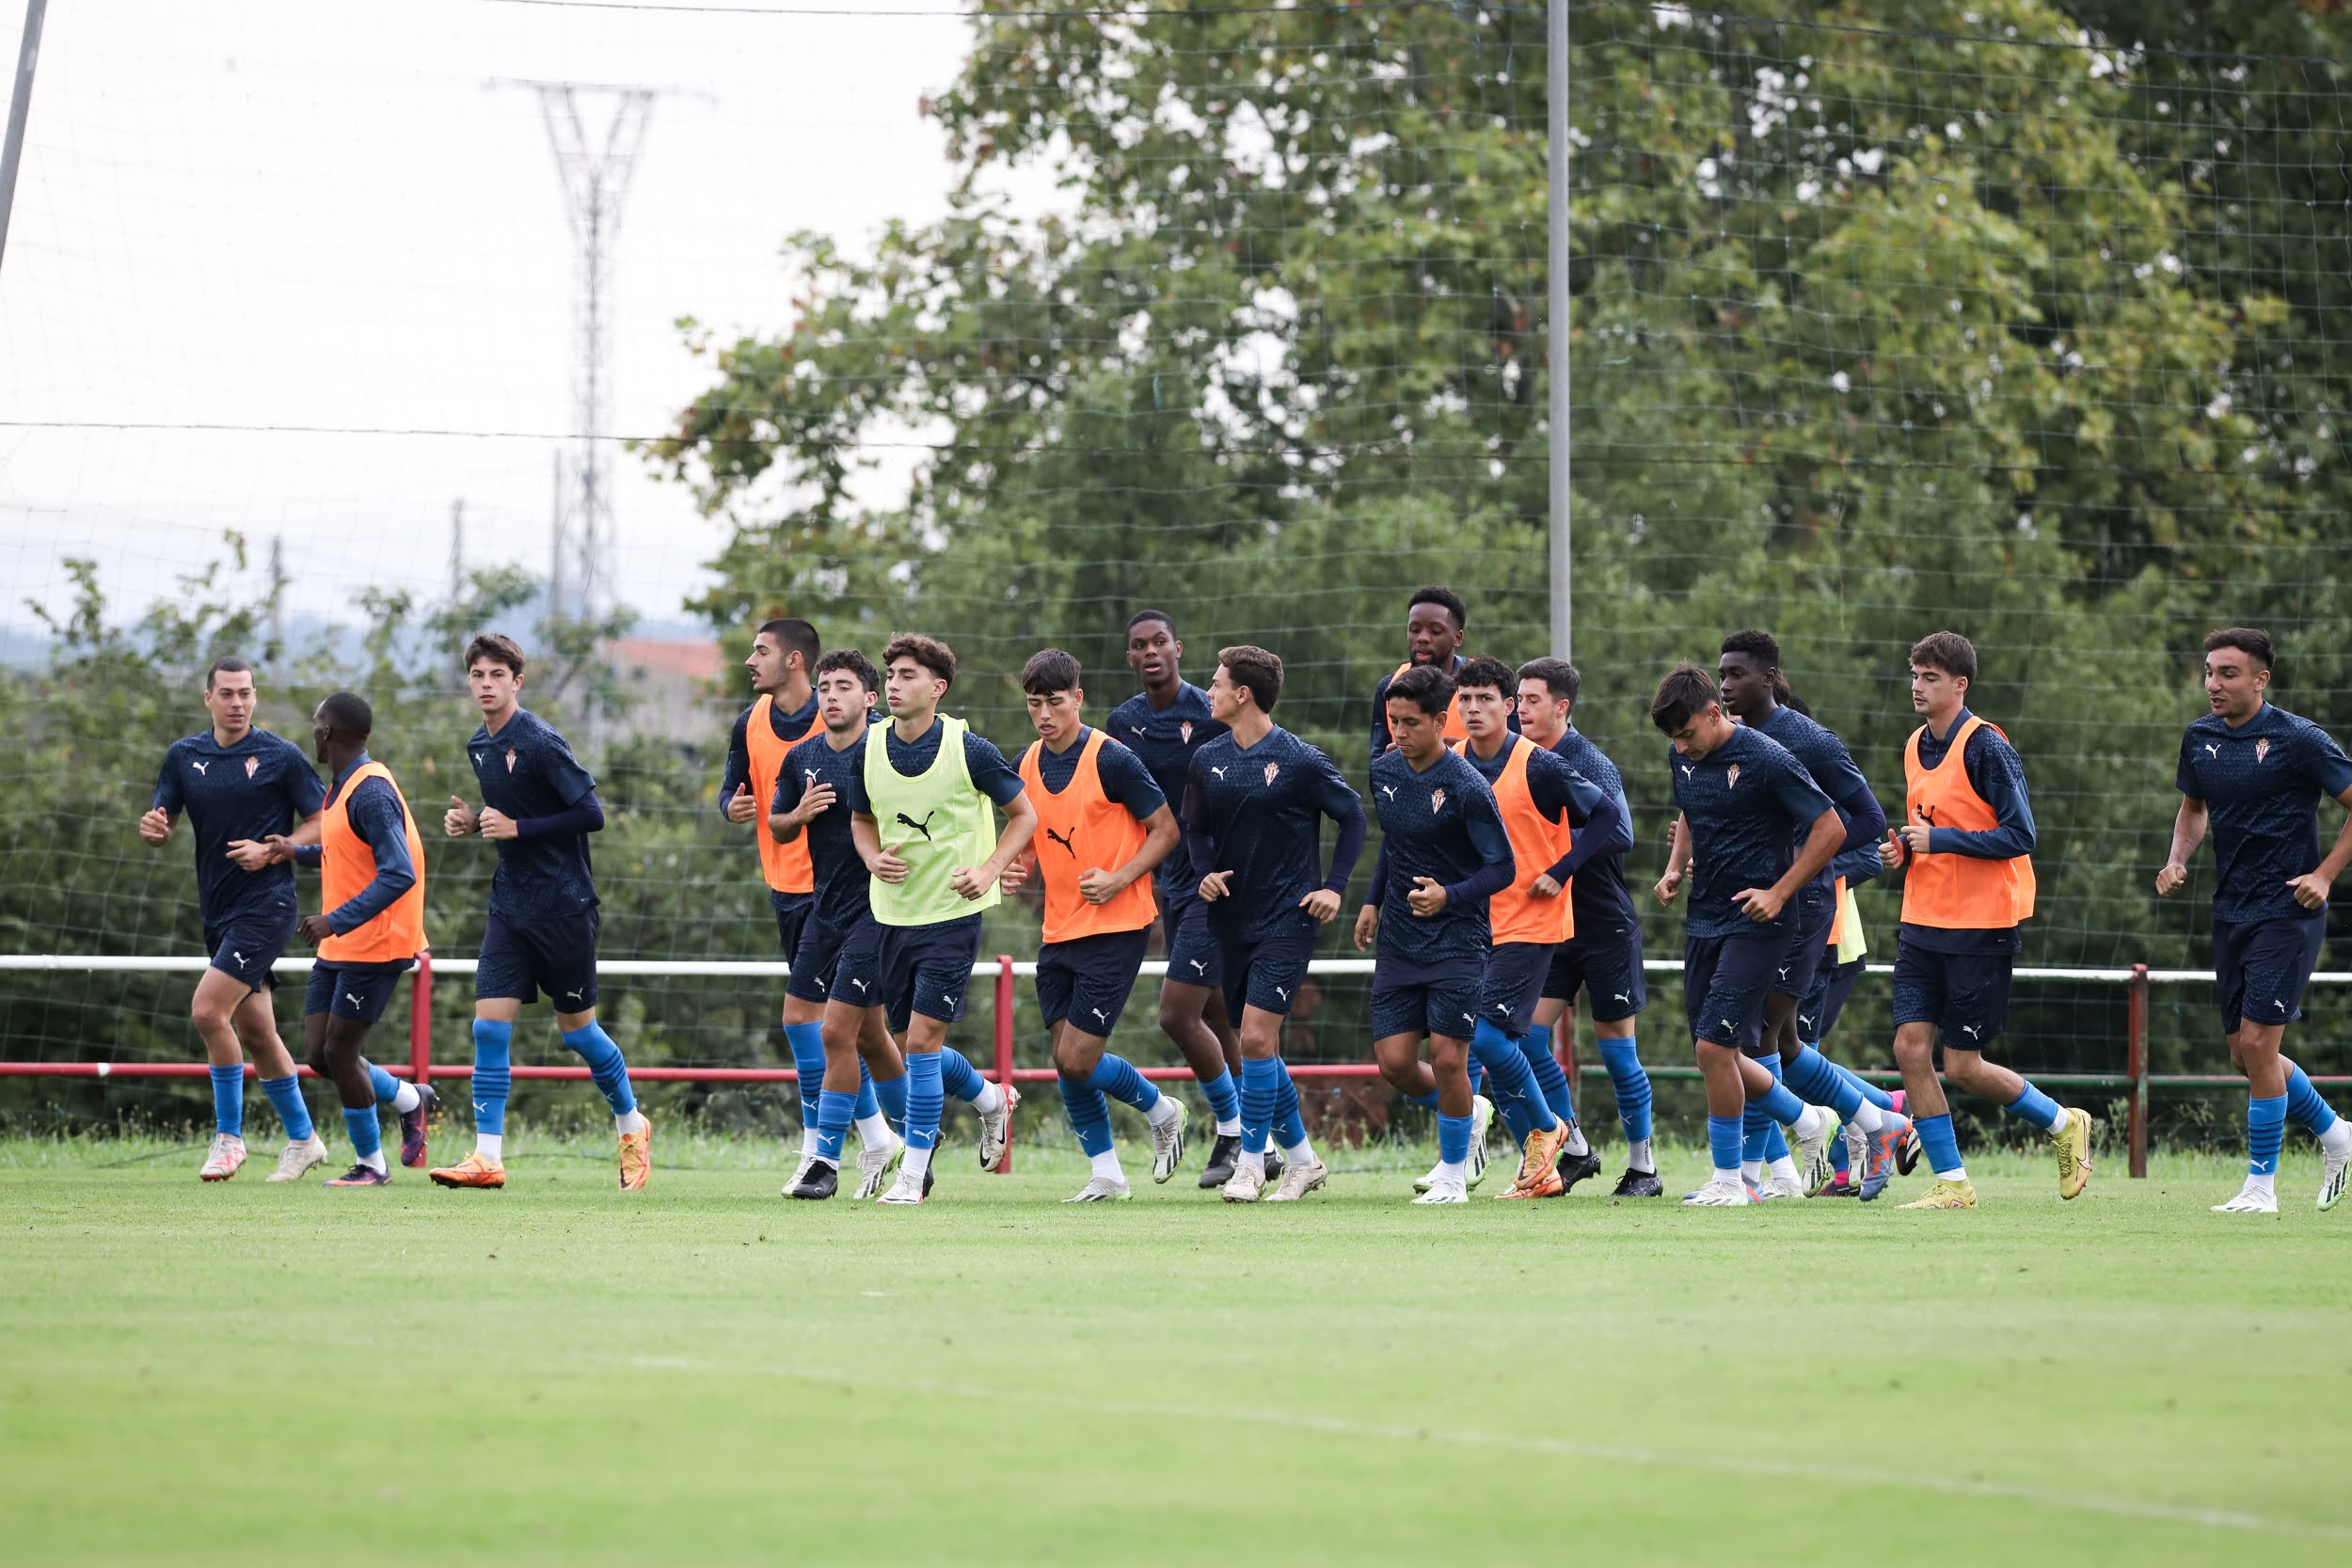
[538, 806]
[1603, 959]
[368, 932]
[240, 786]
[2253, 775]
[1558, 821]
[1753, 690]
[1436, 621]
[1164, 724]
[1251, 810]
[1103, 827]
[1443, 853]
[1754, 828]
[1967, 842]
[922, 808]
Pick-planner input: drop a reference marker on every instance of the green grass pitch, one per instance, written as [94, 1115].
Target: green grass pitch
[706, 1373]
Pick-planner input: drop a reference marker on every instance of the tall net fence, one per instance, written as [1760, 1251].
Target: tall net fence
[2019, 320]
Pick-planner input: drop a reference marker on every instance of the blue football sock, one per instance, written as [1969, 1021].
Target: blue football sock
[1722, 1142]
[1116, 1077]
[285, 1096]
[2305, 1107]
[925, 1099]
[1289, 1129]
[1869, 1091]
[1819, 1082]
[1261, 1083]
[1516, 1119]
[1426, 1099]
[1454, 1139]
[1513, 1077]
[957, 1076]
[1779, 1102]
[868, 1106]
[1623, 1058]
[367, 1135]
[2265, 1129]
[1224, 1096]
[493, 1077]
[2038, 1108]
[832, 1122]
[1757, 1121]
[1839, 1160]
[891, 1095]
[1938, 1142]
[229, 1100]
[1089, 1113]
[605, 1064]
[383, 1083]
[806, 1042]
[1551, 1079]
[1776, 1145]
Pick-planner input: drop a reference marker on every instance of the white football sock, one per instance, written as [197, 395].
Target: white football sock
[1576, 1144]
[1751, 1171]
[630, 1121]
[2337, 1137]
[1228, 1127]
[1785, 1168]
[990, 1101]
[374, 1162]
[2266, 1185]
[1163, 1110]
[1637, 1157]
[1452, 1170]
[917, 1160]
[1869, 1118]
[1106, 1165]
[406, 1098]
[874, 1131]
[1300, 1153]
[491, 1147]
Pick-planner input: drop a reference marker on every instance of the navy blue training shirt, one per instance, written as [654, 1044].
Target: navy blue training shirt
[260, 786]
[795, 726]
[1825, 757]
[527, 770]
[1441, 823]
[1745, 802]
[375, 820]
[1998, 778]
[1256, 812]
[1165, 739]
[842, 884]
[1124, 779]
[991, 775]
[1600, 899]
[2262, 783]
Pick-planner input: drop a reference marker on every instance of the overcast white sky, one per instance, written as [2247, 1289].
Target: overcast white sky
[270, 213]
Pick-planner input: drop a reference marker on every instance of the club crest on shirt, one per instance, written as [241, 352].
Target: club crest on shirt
[253, 764]
[510, 759]
[1183, 732]
[1272, 768]
[1731, 777]
[1436, 802]
[2261, 749]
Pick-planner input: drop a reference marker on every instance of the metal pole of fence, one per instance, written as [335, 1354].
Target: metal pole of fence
[421, 1023]
[1556, 348]
[1004, 1043]
[2136, 1065]
[20, 109]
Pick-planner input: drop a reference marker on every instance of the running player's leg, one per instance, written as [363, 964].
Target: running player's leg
[1726, 980]
[566, 956]
[501, 984]
[1448, 1062]
[1976, 1009]
[356, 999]
[1921, 981]
[2263, 967]
[1261, 981]
[242, 953]
[256, 1021]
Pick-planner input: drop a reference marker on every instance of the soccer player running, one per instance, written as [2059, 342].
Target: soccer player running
[824, 999]
[1436, 621]
[1749, 673]
[1103, 827]
[2253, 776]
[1444, 852]
[1603, 959]
[538, 806]
[1755, 829]
[1557, 821]
[239, 787]
[1164, 726]
[922, 816]
[1967, 840]
[368, 932]
[1252, 807]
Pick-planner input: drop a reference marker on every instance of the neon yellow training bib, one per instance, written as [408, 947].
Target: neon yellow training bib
[938, 822]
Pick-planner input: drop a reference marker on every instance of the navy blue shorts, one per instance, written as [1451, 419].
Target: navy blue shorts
[2261, 967]
[523, 960]
[1817, 1015]
[1964, 994]
[1606, 963]
[1725, 980]
[1807, 950]
[1193, 956]
[1516, 973]
[792, 910]
[244, 946]
[1418, 1003]
[1266, 974]
[928, 968]
[1088, 980]
[352, 990]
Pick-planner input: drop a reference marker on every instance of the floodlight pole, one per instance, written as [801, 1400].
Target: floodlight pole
[1556, 62]
[20, 109]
